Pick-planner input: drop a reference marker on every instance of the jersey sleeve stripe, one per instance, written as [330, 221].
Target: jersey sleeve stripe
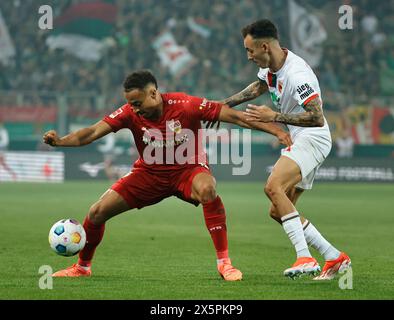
[316, 95]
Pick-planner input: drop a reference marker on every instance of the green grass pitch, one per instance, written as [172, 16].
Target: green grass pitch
[165, 252]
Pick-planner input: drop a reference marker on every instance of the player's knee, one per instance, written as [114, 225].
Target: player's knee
[272, 188]
[96, 214]
[207, 193]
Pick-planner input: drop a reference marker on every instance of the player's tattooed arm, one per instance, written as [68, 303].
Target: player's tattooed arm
[312, 117]
[78, 138]
[251, 92]
[237, 117]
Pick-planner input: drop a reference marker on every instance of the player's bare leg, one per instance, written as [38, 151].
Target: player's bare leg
[285, 175]
[336, 261]
[293, 194]
[204, 191]
[109, 205]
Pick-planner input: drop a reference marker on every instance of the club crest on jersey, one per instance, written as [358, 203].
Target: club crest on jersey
[175, 126]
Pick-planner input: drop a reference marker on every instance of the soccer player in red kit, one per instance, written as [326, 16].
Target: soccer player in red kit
[163, 125]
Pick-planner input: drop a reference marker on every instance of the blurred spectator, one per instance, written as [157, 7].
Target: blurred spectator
[369, 23]
[344, 145]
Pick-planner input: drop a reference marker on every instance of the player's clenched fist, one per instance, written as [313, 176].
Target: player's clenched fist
[51, 138]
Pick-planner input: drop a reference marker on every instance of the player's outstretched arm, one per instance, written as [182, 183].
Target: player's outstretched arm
[312, 117]
[238, 117]
[78, 138]
[251, 92]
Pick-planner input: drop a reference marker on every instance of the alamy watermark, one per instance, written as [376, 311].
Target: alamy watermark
[346, 281]
[345, 21]
[46, 280]
[45, 21]
[183, 146]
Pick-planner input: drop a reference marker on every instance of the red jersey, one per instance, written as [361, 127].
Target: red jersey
[173, 141]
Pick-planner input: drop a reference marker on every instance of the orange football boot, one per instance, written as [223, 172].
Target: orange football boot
[228, 272]
[74, 271]
[333, 267]
[303, 265]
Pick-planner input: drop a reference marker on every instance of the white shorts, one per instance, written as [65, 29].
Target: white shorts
[309, 152]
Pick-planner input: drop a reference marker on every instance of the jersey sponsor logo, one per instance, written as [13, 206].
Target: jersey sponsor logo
[305, 91]
[175, 126]
[155, 138]
[116, 113]
[157, 143]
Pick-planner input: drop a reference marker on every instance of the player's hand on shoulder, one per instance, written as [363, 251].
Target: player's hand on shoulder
[51, 138]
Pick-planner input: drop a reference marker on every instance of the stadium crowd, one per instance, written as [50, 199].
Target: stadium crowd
[358, 63]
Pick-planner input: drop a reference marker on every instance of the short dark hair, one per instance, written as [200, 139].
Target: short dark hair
[261, 29]
[139, 80]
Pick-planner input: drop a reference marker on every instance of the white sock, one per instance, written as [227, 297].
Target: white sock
[314, 239]
[85, 268]
[220, 261]
[293, 227]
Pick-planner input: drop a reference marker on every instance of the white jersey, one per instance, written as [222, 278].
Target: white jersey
[291, 87]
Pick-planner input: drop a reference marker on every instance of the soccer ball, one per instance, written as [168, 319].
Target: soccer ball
[67, 237]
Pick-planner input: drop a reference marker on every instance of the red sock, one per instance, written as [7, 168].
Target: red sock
[94, 234]
[215, 220]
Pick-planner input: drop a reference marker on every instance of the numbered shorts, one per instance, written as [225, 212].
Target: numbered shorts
[143, 187]
[309, 152]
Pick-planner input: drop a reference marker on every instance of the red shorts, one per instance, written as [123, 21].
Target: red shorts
[143, 187]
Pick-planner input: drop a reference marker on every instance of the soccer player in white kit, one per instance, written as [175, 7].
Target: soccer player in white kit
[295, 92]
